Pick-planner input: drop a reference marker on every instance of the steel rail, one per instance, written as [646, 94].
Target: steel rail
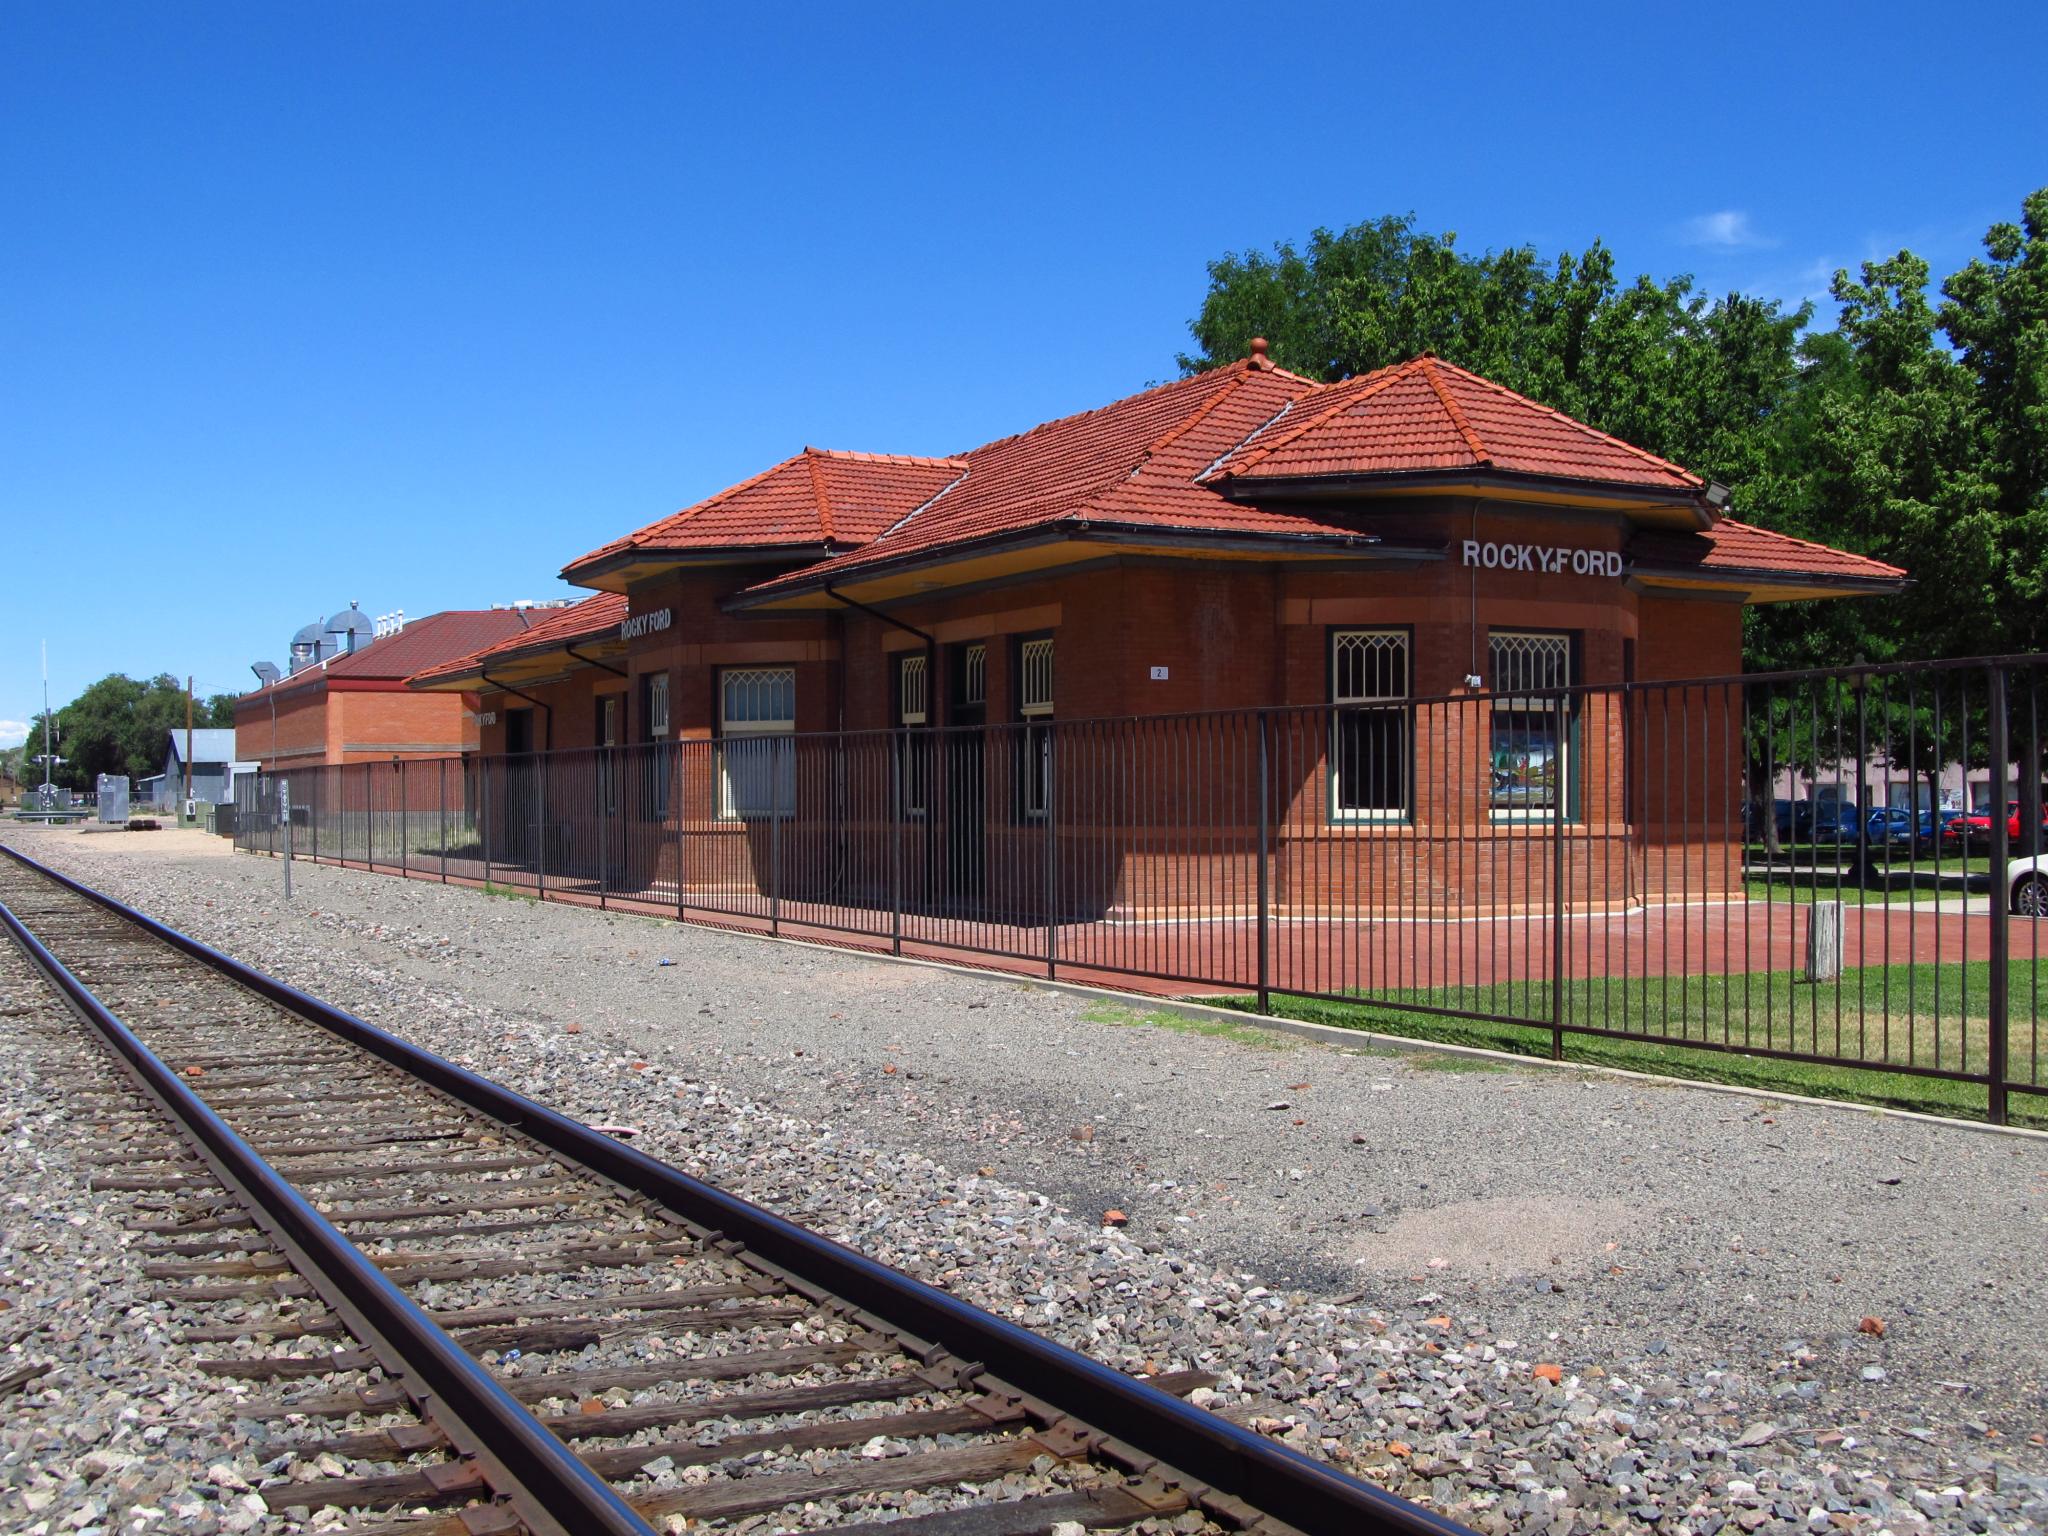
[1203, 1448]
[550, 1489]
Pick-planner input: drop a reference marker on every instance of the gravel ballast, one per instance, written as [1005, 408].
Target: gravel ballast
[1384, 1256]
[122, 1432]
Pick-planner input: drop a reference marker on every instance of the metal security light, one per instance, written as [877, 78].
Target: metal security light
[1715, 495]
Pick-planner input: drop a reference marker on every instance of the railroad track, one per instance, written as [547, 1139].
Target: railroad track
[480, 1316]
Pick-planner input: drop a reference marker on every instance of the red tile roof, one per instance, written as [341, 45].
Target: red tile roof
[1189, 457]
[1132, 463]
[1426, 414]
[819, 498]
[595, 618]
[1731, 547]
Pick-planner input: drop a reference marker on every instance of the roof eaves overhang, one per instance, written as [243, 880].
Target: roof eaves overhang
[1765, 585]
[307, 679]
[560, 656]
[1605, 494]
[618, 570]
[1274, 546]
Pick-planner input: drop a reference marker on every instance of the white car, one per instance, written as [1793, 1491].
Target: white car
[2026, 886]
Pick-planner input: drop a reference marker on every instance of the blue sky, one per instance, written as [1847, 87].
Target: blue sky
[412, 303]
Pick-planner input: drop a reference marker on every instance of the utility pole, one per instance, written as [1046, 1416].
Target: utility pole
[188, 736]
[46, 792]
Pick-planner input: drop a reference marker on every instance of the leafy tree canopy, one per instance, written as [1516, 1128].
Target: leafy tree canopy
[1912, 433]
[119, 725]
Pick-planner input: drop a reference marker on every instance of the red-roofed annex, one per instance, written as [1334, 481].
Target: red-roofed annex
[358, 707]
[1239, 538]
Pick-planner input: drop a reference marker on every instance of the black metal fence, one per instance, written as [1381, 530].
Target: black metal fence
[1780, 865]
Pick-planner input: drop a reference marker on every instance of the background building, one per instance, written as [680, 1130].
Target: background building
[352, 705]
[215, 762]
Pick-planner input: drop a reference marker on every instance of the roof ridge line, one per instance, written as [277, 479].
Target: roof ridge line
[862, 456]
[1186, 425]
[1392, 373]
[1573, 421]
[914, 511]
[1472, 440]
[1240, 366]
[818, 496]
[1273, 420]
[698, 509]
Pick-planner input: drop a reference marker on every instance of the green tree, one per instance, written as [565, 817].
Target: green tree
[1698, 380]
[1996, 315]
[1899, 467]
[1878, 436]
[119, 725]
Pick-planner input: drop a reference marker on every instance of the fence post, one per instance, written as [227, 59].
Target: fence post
[369, 817]
[2001, 934]
[674, 775]
[540, 824]
[1561, 760]
[775, 837]
[604, 828]
[483, 793]
[404, 825]
[1052, 847]
[313, 816]
[1265, 851]
[897, 741]
[443, 788]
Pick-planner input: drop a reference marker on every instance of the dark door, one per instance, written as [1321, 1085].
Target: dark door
[963, 780]
[518, 798]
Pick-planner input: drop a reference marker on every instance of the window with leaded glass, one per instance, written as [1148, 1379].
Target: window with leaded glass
[756, 766]
[1530, 733]
[1370, 754]
[913, 713]
[1034, 708]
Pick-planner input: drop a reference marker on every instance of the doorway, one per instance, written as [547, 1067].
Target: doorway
[963, 781]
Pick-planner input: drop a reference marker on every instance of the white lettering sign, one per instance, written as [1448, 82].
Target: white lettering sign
[1543, 559]
[487, 717]
[646, 623]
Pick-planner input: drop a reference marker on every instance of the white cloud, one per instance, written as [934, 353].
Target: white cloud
[1729, 229]
[13, 732]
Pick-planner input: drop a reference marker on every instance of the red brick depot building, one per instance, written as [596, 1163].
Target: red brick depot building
[1050, 674]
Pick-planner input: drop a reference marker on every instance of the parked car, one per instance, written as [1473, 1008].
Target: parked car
[2026, 886]
[1892, 824]
[1974, 830]
[1934, 823]
[1828, 821]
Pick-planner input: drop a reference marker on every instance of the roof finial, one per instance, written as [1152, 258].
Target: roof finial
[1259, 359]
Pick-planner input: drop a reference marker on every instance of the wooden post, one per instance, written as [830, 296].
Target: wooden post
[1824, 941]
[188, 736]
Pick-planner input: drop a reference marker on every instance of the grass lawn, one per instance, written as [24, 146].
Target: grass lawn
[1934, 1015]
[1805, 875]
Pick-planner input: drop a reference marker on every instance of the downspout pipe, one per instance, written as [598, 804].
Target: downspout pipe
[931, 646]
[931, 658]
[593, 661]
[547, 712]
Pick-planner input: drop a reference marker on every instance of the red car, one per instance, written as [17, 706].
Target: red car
[1974, 830]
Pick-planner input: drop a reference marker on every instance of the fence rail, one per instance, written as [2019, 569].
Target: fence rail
[1605, 861]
